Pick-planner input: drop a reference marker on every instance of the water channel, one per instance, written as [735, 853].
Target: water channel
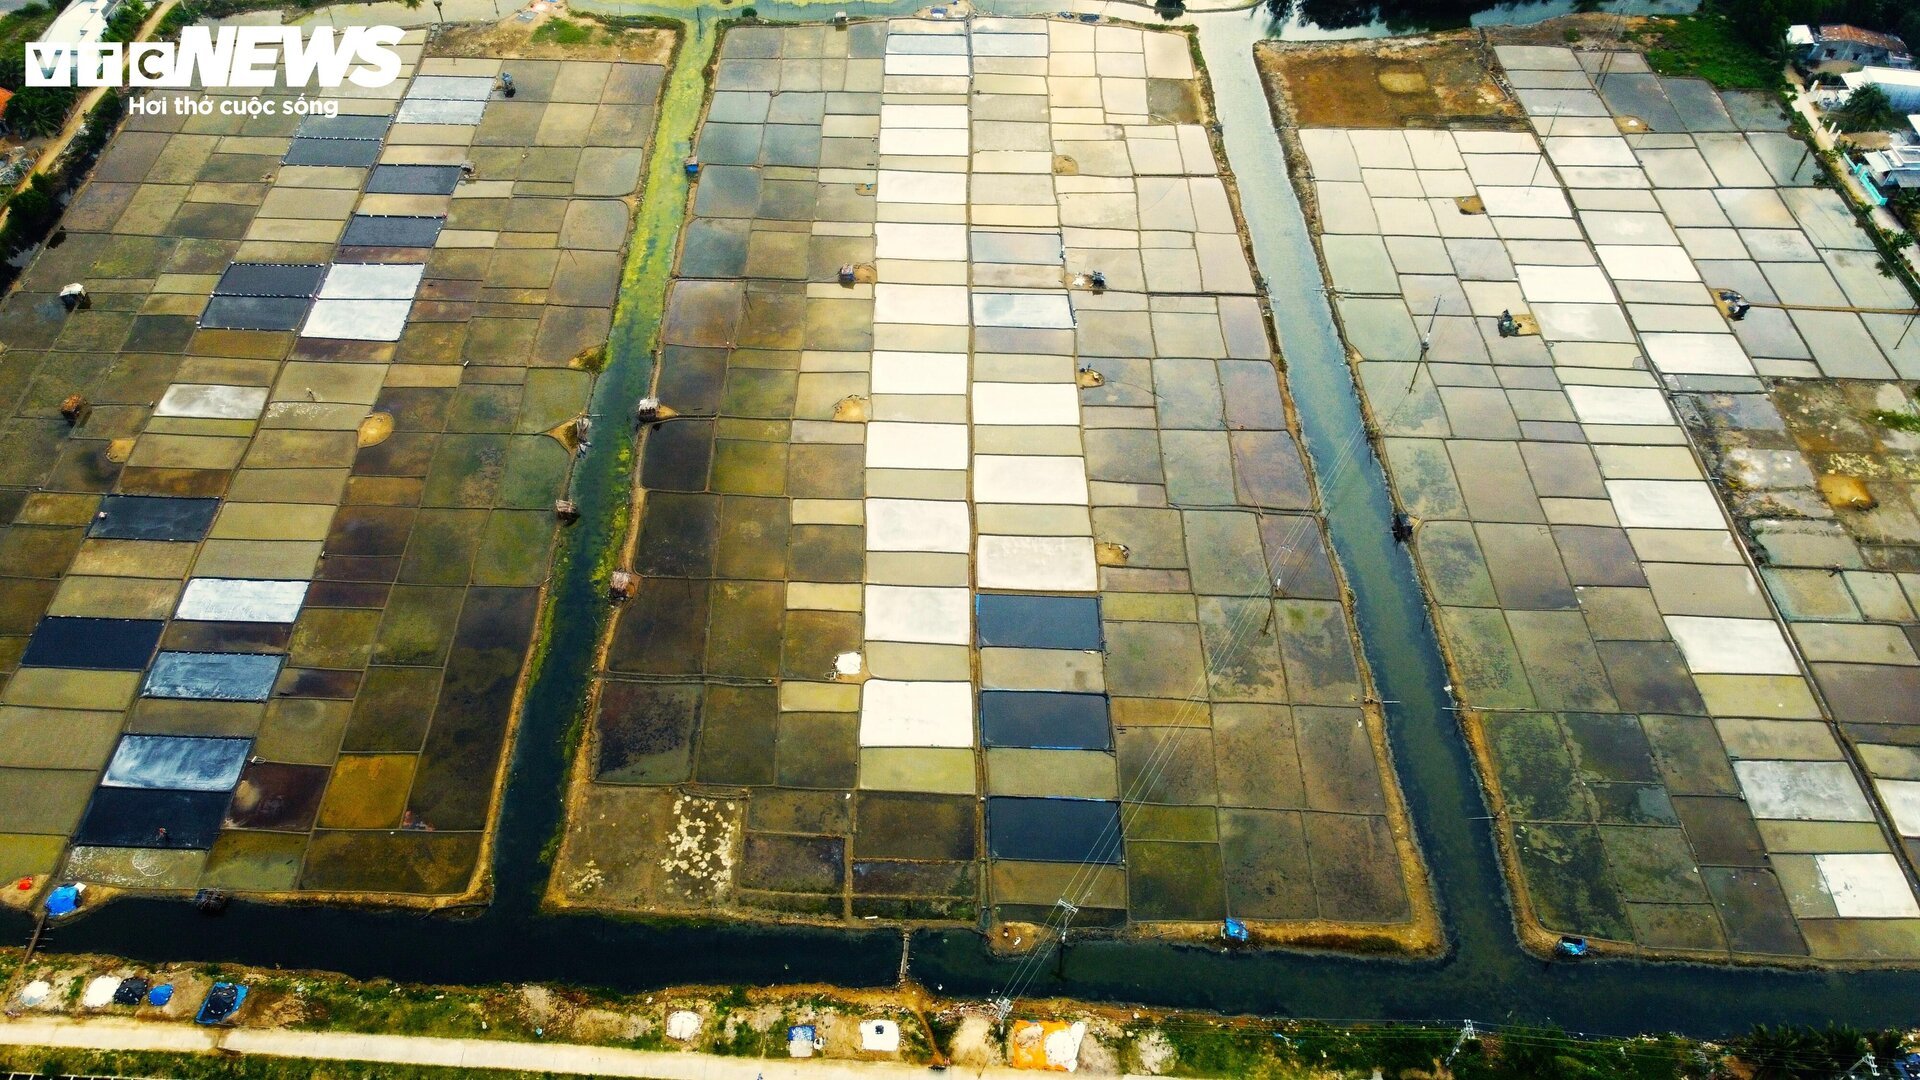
[1484, 974]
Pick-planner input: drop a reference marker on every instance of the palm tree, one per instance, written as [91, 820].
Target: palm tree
[39, 110]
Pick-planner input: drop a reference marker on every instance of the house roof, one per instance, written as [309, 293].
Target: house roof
[1844, 32]
[5, 96]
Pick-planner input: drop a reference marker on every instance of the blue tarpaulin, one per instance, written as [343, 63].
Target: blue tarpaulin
[1234, 930]
[222, 1002]
[160, 995]
[63, 900]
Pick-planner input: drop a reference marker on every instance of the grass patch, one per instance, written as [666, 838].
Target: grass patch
[22, 26]
[1707, 46]
[559, 31]
[1896, 421]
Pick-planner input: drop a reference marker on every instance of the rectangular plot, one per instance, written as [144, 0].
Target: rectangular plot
[1053, 830]
[357, 153]
[254, 313]
[92, 644]
[414, 180]
[451, 87]
[929, 615]
[928, 714]
[1033, 249]
[924, 142]
[206, 401]
[150, 517]
[213, 676]
[1045, 721]
[945, 189]
[369, 230]
[136, 817]
[238, 600]
[416, 110]
[1038, 311]
[927, 64]
[1009, 44]
[270, 279]
[372, 281]
[357, 320]
[906, 41]
[1010, 620]
[342, 127]
[923, 116]
[177, 763]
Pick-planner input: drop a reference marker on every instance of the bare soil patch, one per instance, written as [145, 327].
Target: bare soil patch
[1369, 84]
[516, 39]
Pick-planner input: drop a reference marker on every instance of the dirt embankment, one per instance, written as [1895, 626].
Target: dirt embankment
[556, 35]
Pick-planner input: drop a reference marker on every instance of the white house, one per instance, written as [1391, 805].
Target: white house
[84, 22]
[1901, 85]
[1895, 167]
[1847, 44]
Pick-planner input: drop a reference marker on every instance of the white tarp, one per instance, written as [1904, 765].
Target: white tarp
[880, 1036]
[99, 992]
[683, 1026]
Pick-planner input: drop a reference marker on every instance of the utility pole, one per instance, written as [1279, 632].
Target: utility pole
[1853, 1071]
[1466, 1033]
[1060, 961]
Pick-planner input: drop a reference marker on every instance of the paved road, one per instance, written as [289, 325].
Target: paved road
[123, 1034]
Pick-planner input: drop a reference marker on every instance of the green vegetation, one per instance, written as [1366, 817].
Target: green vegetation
[1866, 109]
[1896, 421]
[124, 24]
[34, 111]
[188, 12]
[559, 31]
[16, 29]
[1710, 46]
[1305, 1050]
[1741, 44]
[47, 1062]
